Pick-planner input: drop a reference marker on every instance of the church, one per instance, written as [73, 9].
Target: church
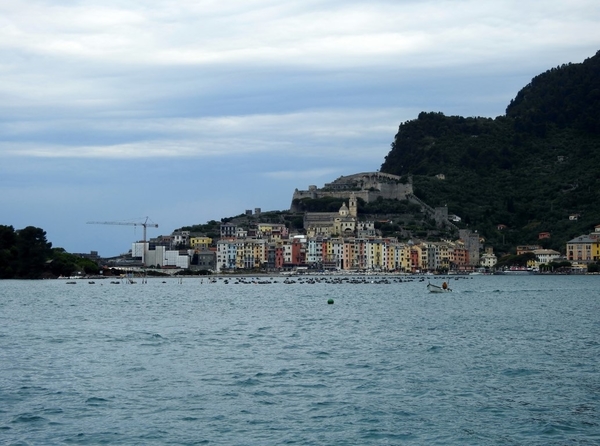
[343, 223]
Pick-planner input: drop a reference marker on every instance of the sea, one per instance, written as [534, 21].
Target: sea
[501, 360]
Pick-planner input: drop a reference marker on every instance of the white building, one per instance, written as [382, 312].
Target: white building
[314, 250]
[546, 255]
[488, 259]
[181, 238]
[137, 250]
[226, 255]
[161, 257]
[176, 259]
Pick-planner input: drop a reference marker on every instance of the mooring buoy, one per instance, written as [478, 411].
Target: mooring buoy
[330, 301]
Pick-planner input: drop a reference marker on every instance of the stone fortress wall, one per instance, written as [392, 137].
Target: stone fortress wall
[368, 186]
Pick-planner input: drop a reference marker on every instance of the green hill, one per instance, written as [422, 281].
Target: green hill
[529, 170]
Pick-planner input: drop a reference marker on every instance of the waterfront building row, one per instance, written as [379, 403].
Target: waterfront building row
[339, 253]
[271, 246]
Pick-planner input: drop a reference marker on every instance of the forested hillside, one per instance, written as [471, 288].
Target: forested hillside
[528, 170]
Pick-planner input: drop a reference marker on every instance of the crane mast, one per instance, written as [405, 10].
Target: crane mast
[143, 224]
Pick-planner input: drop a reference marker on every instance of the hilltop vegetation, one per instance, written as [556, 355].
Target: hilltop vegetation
[528, 170]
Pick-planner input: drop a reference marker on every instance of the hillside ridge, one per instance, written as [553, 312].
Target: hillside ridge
[535, 169]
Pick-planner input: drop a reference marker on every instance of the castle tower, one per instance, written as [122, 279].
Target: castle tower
[353, 205]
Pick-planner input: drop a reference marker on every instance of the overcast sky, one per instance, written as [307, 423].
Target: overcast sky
[186, 111]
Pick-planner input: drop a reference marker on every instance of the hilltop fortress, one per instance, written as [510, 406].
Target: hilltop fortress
[367, 186]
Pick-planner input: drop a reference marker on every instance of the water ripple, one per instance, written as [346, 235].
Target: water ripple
[502, 361]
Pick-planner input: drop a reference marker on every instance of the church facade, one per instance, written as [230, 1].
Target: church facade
[343, 223]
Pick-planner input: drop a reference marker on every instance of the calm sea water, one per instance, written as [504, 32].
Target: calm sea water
[501, 360]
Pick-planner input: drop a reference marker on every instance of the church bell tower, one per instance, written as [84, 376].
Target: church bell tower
[353, 206]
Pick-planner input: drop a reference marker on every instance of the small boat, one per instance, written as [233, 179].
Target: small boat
[515, 271]
[438, 289]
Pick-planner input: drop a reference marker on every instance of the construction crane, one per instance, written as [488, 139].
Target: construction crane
[144, 224]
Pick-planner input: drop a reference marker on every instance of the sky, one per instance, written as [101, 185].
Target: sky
[185, 111]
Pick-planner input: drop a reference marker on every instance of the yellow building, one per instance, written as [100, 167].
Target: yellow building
[580, 249]
[272, 231]
[375, 254]
[200, 242]
[444, 259]
[393, 256]
[400, 253]
[596, 251]
[251, 254]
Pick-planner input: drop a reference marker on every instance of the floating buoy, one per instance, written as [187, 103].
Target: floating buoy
[330, 301]
[444, 285]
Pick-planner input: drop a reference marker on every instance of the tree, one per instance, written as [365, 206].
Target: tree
[33, 251]
[8, 251]
[61, 264]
